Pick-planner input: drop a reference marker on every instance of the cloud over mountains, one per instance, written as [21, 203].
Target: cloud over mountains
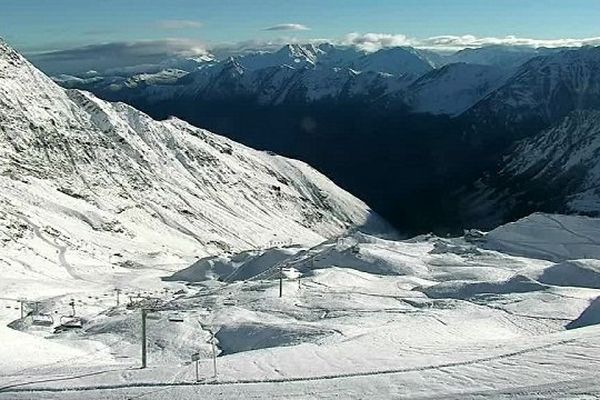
[145, 55]
[101, 57]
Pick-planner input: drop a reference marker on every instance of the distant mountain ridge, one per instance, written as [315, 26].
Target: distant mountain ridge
[545, 89]
[442, 125]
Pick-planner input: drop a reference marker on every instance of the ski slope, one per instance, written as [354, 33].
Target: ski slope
[367, 318]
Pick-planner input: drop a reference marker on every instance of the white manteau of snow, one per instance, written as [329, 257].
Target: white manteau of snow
[103, 182]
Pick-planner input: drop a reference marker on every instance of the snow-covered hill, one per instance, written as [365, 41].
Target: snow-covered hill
[545, 89]
[565, 159]
[359, 316]
[89, 187]
[453, 88]
[556, 170]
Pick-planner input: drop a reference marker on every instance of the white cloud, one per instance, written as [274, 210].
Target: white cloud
[176, 24]
[376, 41]
[287, 27]
[149, 55]
[101, 57]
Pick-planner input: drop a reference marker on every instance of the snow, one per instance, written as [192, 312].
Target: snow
[358, 322]
[567, 151]
[565, 237]
[453, 88]
[590, 316]
[580, 273]
[546, 88]
[97, 197]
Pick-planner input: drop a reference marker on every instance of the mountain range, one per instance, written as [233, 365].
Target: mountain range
[418, 135]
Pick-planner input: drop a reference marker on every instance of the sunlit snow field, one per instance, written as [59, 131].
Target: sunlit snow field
[507, 315]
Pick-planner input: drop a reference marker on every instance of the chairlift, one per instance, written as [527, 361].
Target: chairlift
[229, 302]
[67, 323]
[153, 316]
[42, 319]
[70, 322]
[175, 317]
[290, 273]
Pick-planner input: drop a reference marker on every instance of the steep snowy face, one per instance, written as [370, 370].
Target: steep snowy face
[453, 88]
[398, 61]
[292, 54]
[547, 88]
[101, 179]
[566, 158]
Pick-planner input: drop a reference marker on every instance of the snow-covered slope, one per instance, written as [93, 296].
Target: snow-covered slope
[565, 159]
[87, 185]
[396, 61]
[546, 88]
[453, 88]
[359, 315]
[547, 236]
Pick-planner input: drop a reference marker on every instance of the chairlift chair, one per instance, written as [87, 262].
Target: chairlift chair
[153, 316]
[42, 319]
[70, 322]
[175, 317]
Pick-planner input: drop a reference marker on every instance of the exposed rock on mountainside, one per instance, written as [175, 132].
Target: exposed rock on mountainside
[106, 182]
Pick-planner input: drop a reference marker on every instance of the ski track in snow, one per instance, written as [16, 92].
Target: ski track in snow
[126, 200]
[12, 388]
[61, 249]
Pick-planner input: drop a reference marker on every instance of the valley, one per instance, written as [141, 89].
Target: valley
[396, 126]
[373, 216]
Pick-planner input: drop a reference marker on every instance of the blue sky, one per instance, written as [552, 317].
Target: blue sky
[41, 25]
[80, 36]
